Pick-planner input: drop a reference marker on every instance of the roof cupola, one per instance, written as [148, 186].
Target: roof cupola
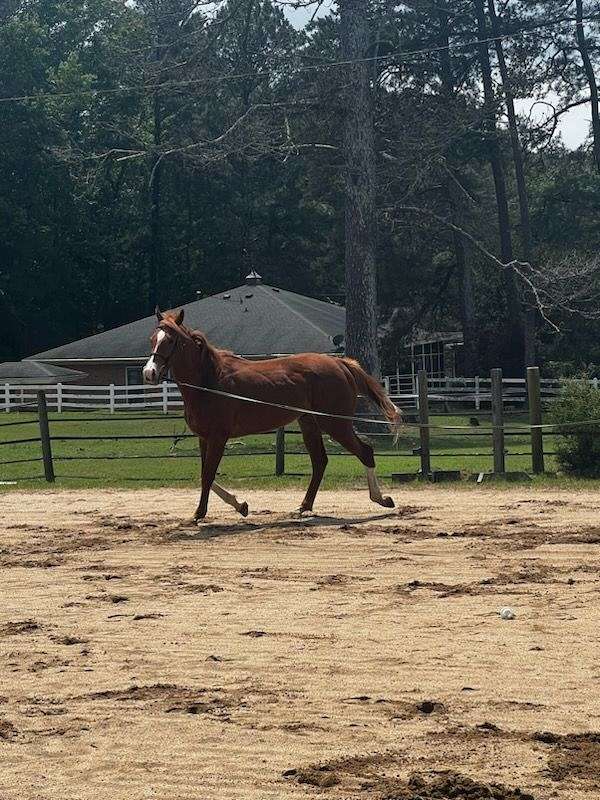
[253, 279]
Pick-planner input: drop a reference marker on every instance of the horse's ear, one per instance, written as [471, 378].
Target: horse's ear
[159, 314]
[179, 317]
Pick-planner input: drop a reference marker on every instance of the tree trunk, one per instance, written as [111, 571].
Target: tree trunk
[517, 152]
[591, 79]
[360, 215]
[465, 273]
[470, 359]
[513, 351]
[155, 216]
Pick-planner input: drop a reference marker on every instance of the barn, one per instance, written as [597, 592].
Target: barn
[253, 320]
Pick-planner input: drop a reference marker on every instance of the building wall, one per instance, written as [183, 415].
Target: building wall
[103, 373]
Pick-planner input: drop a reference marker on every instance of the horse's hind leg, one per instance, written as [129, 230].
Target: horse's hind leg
[313, 441]
[344, 434]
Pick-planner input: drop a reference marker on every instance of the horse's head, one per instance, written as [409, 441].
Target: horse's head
[164, 342]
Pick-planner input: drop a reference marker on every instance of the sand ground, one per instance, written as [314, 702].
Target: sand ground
[273, 657]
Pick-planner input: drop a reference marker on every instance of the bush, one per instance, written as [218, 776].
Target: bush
[578, 449]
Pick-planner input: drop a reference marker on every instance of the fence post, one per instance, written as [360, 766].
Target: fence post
[535, 418]
[45, 436]
[111, 397]
[59, 389]
[498, 422]
[424, 422]
[477, 395]
[280, 452]
[7, 397]
[165, 397]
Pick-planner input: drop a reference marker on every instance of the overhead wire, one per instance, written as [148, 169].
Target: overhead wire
[399, 56]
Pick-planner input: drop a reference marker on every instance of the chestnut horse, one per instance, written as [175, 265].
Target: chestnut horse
[310, 381]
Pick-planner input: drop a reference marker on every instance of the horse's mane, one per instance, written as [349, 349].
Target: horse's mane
[200, 339]
[210, 367]
[209, 357]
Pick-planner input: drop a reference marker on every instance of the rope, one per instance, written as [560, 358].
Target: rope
[298, 410]
[232, 396]
[372, 421]
[398, 55]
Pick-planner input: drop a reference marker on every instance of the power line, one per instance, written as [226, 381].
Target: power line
[398, 57]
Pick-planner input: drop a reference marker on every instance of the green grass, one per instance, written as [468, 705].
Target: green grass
[248, 462]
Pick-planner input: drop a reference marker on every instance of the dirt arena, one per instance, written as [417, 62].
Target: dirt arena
[354, 655]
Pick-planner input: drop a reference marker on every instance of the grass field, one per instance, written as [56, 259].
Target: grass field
[251, 461]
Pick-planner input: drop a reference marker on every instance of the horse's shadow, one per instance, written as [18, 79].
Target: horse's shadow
[211, 530]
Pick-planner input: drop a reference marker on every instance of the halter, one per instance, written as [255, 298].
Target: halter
[159, 357]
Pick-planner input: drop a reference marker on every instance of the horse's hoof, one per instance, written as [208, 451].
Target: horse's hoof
[388, 503]
[243, 509]
[302, 512]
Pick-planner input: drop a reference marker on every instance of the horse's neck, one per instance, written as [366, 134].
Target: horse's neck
[197, 366]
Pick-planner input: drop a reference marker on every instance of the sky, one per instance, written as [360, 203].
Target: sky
[574, 127]
[575, 124]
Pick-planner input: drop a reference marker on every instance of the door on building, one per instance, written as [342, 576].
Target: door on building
[134, 379]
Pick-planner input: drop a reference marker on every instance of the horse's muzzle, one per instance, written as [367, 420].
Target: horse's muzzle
[151, 378]
[152, 374]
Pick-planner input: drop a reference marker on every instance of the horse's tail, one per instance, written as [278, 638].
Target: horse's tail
[369, 387]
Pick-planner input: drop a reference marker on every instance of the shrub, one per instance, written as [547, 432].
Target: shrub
[578, 449]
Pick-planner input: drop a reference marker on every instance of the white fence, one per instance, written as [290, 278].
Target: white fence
[472, 392]
[468, 392]
[62, 397]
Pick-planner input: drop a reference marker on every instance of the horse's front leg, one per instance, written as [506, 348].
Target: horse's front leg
[230, 499]
[212, 451]
[227, 497]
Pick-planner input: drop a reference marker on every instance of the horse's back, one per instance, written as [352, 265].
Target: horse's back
[319, 364]
[311, 381]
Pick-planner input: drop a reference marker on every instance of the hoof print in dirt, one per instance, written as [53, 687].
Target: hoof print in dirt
[321, 777]
[546, 737]
[430, 706]
[453, 785]
[488, 727]
[69, 641]
[7, 730]
[441, 786]
[573, 756]
[17, 628]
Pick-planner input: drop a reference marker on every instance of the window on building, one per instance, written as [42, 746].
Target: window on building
[133, 376]
[430, 357]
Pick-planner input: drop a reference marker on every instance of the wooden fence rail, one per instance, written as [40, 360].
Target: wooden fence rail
[458, 393]
[498, 422]
[423, 424]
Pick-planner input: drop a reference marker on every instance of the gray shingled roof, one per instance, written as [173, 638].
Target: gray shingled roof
[30, 372]
[249, 320]
[420, 336]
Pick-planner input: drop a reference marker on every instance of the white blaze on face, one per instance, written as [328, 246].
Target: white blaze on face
[150, 371]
